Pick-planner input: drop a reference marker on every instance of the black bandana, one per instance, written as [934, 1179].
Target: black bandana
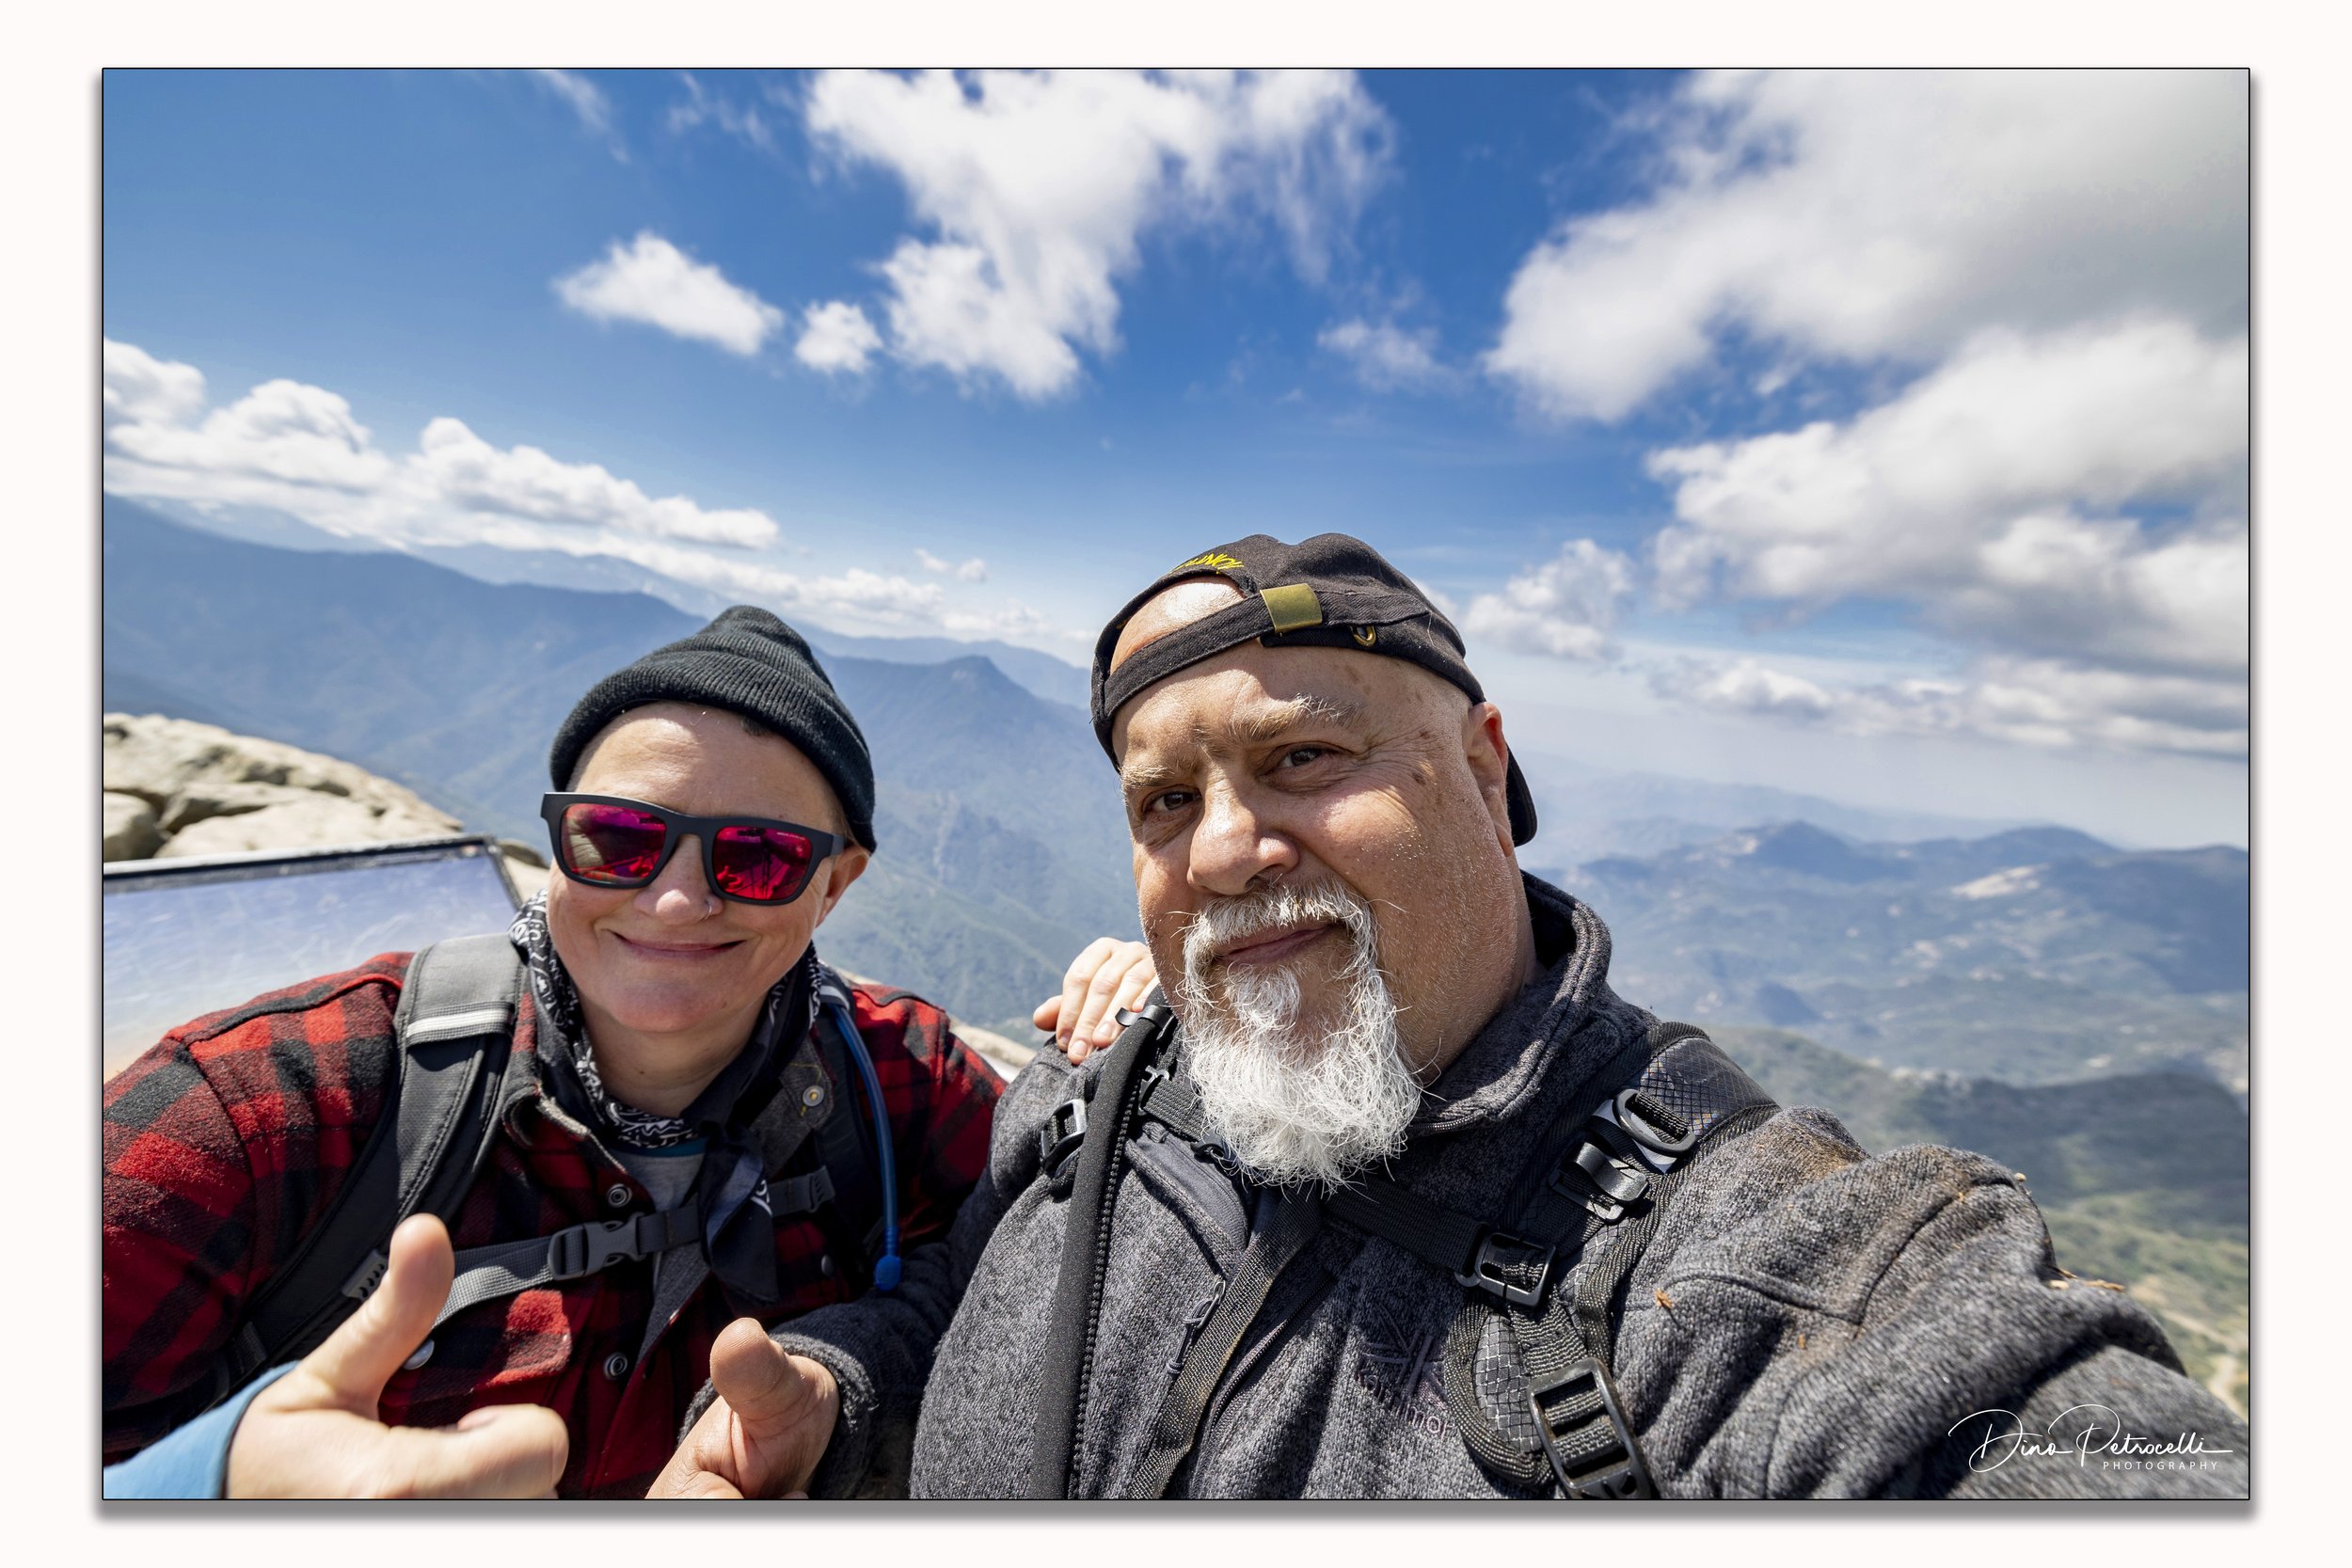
[738, 1225]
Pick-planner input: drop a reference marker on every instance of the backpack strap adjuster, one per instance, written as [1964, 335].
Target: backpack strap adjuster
[1509, 1268]
[1061, 1136]
[1591, 1449]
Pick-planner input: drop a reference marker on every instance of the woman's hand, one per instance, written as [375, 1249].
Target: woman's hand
[1107, 975]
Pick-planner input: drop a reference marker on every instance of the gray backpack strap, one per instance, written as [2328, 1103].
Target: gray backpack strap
[1086, 1248]
[1609, 1184]
[510, 1268]
[453, 1027]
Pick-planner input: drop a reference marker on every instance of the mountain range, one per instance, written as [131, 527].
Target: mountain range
[2031, 956]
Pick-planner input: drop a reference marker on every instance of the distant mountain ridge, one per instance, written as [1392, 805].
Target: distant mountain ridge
[1055, 679]
[2031, 956]
[1590, 812]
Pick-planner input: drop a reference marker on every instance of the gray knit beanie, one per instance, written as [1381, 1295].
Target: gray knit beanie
[748, 662]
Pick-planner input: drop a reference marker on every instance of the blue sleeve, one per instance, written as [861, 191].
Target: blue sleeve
[192, 1462]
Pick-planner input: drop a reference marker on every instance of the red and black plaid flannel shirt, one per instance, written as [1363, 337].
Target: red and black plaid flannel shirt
[230, 1137]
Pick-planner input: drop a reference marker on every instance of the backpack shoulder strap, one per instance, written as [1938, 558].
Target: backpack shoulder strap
[844, 1159]
[452, 1030]
[1099, 1152]
[1610, 1180]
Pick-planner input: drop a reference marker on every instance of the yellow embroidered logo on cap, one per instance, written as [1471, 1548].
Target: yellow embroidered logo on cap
[1216, 560]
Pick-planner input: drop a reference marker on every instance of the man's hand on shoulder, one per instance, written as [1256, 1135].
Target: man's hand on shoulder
[314, 1431]
[1107, 974]
[765, 1433]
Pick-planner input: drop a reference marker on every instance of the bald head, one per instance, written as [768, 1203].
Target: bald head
[1179, 604]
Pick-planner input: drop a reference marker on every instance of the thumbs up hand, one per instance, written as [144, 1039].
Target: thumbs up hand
[314, 1431]
[764, 1434]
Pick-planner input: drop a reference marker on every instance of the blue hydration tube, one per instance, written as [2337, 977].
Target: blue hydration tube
[887, 1266]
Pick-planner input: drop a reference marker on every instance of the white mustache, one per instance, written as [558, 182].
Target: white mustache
[1226, 921]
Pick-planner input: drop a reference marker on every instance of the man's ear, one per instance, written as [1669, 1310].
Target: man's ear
[1489, 758]
[844, 868]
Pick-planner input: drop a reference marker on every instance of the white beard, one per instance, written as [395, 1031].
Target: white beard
[1292, 1109]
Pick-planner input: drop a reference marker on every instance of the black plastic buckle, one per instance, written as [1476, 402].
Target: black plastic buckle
[1062, 1136]
[1154, 1013]
[1606, 1186]
[1646, 1133]
[1615, 1475]
[584, 1249]
[1496, 1250]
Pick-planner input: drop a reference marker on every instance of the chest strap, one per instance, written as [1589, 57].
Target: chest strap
[577, 1251]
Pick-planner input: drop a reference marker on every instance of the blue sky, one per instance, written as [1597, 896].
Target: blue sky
[1882, 437]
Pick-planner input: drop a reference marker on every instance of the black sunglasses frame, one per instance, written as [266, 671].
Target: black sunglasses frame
[675, 826]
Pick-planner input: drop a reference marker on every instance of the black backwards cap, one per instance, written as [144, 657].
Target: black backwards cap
[1327, 592]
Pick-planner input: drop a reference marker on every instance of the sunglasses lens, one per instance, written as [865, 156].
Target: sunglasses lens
[766, 866]
[613, 844]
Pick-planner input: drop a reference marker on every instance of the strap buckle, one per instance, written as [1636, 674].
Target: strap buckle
[1614, 1472]
[579, 1250]
[1061, 1136]
[1647, 1122]
[1497, 1252]
[1607, 1185]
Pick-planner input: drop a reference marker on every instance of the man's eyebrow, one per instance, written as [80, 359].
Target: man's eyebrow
[1144, 776]
[1269, 722]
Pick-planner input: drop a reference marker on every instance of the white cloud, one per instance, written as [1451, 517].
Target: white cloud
[1857, 214]
[587, 101]
[1987, 493]
[298, 450]
[836, 336]
[141, 389]
[651, 280]
[1747, 687]
[1036, 188]
[281, 434]
[973, 570]
[1564, 608]
[461, 469]
[1385, 357]
[701, 105]
[2045, 703]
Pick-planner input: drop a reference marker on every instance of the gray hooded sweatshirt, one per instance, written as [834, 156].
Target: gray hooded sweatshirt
[1807, 1320]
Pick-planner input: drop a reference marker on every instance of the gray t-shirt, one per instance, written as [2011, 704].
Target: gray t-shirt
[668, 1175]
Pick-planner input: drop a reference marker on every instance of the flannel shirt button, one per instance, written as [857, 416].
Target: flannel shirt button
[417, 1357]
[616, 1366]
[618, 1196]
[824, 1265]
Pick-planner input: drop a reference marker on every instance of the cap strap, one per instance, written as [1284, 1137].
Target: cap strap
[1292, 606]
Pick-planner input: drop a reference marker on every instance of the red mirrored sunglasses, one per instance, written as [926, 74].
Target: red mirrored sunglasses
[612, 841]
